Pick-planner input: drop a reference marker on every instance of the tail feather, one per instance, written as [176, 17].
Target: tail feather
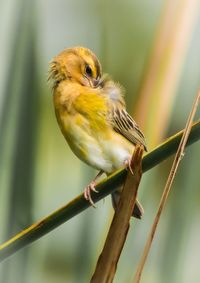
[138, 210]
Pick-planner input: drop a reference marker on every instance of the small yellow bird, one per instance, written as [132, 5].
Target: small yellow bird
[91, 113]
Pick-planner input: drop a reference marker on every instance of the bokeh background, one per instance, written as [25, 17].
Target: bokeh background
[152, 49]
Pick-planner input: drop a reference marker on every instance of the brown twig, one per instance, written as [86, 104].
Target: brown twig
[179, 155]
[107, 262]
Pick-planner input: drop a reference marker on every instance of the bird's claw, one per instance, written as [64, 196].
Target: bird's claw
[87, 193]
[127, 164]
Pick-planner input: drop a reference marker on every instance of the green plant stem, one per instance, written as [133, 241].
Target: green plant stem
[105, 187]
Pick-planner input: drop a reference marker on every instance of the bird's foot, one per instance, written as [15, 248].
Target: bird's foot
[127, 164]
[87, 192]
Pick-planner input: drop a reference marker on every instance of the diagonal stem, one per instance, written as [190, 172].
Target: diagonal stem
[105, 187]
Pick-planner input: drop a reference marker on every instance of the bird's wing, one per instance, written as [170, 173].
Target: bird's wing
[124, 124]
[119, 119]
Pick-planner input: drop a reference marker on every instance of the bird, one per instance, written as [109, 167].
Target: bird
[91, 113]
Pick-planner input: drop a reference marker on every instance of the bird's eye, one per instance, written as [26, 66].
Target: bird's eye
[88, 70]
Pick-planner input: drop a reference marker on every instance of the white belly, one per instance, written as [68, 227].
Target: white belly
[101, 154]
[118, 150]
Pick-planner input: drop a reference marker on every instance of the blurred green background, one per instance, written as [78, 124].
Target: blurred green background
[39, 173]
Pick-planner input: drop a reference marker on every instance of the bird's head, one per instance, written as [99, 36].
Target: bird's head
[77, 64]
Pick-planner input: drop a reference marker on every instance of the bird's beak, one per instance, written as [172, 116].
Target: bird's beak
[95, 82]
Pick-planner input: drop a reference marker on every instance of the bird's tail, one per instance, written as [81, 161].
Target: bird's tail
[138, 209]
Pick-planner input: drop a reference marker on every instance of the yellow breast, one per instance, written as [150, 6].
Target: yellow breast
[94, 108]
[81, 116]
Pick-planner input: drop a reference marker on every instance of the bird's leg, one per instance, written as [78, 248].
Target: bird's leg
[127, 164]
[91, 187]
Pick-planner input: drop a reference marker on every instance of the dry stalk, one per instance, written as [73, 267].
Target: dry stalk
[179, 155]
